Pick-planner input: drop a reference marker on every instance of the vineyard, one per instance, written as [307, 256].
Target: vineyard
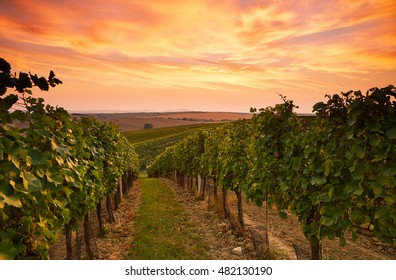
[54, 171]
[149, 143]
[335, 172]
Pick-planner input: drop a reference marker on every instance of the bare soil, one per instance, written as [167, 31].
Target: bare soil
[136, 121]
[118, 236]
[287, 241]
[285, 238]
[212, 229]
[208, 116]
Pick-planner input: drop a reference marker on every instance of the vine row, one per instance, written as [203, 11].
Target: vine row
[336, 171]
[54, 168]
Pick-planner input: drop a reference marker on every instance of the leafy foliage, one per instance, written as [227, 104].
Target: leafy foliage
[53, 171]
[336, 172]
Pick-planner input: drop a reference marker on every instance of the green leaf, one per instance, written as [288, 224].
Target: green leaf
[352, 118]
[283, 215]
[68, 191]
[13, 200]
[38, 158]
[59, 159]
[330, 147]
[283, 186]
[58, 147]
[10, 100]
[8, 250]
[328, 167]
[66, 215]
[359, 150]
[358, 173]
[375, 140]
[326, 221]
[69, 176]
[359, 190]
[323, 210]
[318, 180]
[349, 134]
[55, 177]
[30, 182]
[61, 202]
[337, 167]
[391, 133]
[390, 170]
[9, 127]
[296, 163]
[15, 157]
[359, 215]
[373, 124]
[6, 188]
[331, 192]
[315, 198]
[7, 143]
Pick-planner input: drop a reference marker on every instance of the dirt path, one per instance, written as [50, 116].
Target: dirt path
[288, 242]
[119, 236]
[216, 232]
[285, 237]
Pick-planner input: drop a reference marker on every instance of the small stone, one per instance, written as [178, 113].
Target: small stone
[112, 257]
[222, 225]
[237, 251]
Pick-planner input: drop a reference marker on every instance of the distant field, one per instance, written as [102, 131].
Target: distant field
[136, 121]
[211, 116]
[142, 135]
[168, 128]
[149, 143]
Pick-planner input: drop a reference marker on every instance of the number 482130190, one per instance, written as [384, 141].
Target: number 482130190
[244, 270]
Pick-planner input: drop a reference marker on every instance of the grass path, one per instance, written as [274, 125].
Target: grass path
[162, 229]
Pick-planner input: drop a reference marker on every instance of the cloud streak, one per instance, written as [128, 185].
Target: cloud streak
[304, 48]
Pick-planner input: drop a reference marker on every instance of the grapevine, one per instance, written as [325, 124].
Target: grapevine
[53, 171]
[335, 172]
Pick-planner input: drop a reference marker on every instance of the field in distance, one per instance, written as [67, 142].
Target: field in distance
[136, 121]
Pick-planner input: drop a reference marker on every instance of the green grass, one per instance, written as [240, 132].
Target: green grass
[149, 150]
[149, 143]
[163, 231]
[137, 136]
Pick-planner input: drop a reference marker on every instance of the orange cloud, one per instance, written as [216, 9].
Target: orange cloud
[238, 47]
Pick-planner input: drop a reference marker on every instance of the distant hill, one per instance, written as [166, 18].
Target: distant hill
[136, 121]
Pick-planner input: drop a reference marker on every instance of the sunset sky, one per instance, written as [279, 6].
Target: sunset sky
[208, 55]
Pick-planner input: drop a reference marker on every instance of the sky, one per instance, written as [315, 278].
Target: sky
[206, 55]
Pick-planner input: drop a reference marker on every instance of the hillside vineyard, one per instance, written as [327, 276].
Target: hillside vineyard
[335, 171]
[54, 171]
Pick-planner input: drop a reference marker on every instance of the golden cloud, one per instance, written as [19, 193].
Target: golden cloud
[214, 45]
